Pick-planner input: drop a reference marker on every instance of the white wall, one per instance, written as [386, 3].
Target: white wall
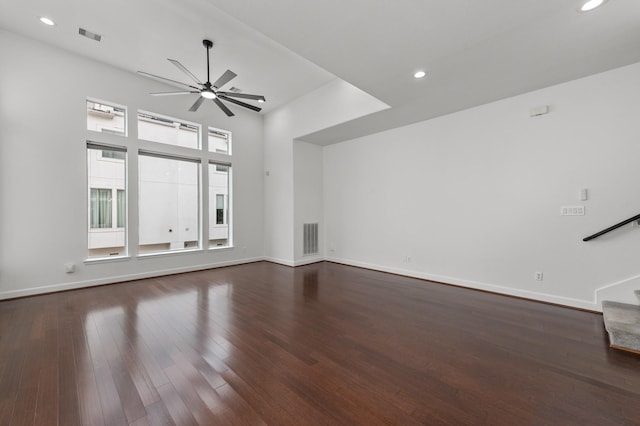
[308, 197]
[473, 198]
[43, 195]
[329, 105]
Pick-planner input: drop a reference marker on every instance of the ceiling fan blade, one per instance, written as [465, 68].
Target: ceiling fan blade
[237, 102]
[197, 104]
[244, 96]
[185, 70]
[223, 107]
[146, 74]
[174, 93]
[224, 79]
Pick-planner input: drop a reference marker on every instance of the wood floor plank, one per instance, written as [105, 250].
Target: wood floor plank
[262, 343]
[176, 408]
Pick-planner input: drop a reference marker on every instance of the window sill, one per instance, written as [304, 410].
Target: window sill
[220, 248]
[106, 259]
[168, 253]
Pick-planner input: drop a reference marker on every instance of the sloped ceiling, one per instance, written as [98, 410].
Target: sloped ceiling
[474, 52]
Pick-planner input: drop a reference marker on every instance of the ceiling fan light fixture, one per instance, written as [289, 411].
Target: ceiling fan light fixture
[208, 94]
[591, 4]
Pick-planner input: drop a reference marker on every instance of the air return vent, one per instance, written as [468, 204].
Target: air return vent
[310, 238]
[89, 34]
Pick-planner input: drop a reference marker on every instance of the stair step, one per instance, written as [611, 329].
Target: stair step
[622, 321]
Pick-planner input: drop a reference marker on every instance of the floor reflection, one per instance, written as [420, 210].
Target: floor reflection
[310, 288]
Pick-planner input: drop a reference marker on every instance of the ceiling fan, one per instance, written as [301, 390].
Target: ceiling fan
[208, 90]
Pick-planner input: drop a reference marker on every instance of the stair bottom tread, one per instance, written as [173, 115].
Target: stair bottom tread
[623, 339]
[621, 312]
[622, 322]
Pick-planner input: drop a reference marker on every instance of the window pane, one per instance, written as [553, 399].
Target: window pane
[168, 130]
[218, 205]
[106, 118]
[168, 203]
[219, 141]
[106, 178]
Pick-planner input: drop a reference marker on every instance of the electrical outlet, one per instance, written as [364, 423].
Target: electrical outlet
[538, 276]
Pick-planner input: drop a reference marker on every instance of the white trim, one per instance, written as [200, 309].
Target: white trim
[307, 261]
[531, 295]
[626, 280]
[92, 260]
[120, 278]
[622, 291]
[280, 261]
[542, 297]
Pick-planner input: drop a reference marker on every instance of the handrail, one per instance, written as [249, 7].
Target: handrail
[611, 228]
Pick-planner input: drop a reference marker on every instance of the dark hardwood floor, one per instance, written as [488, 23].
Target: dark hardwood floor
[319, 344]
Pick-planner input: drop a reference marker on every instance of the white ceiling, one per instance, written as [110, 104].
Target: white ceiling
[474, 51]
[142, 34]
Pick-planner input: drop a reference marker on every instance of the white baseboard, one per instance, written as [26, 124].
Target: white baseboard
[308, 261]
[590, 305]
[294, 263]
[284, 262]
[120, 278]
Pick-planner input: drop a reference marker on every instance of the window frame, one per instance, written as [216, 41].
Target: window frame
[135, 147]
[98, 146]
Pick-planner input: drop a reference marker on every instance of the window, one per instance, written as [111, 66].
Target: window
[122, 205]
[169, 202]
[171, 163]
[219, 209]
[106, 171]
[113, 154]
[218, 205]
[219, 141]
[106, 118]
[101, 208]
[170, 131]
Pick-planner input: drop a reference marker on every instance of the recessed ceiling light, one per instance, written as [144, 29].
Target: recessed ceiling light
[419, 74]
[47, 21]
[591, 4]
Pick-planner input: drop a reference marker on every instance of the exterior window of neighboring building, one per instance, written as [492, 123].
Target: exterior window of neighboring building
[106, 172]
[157, 128]
[219, 230]
[101, 208]
[219, 209]
[122, 208]
[106, 117]
[113, 154]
